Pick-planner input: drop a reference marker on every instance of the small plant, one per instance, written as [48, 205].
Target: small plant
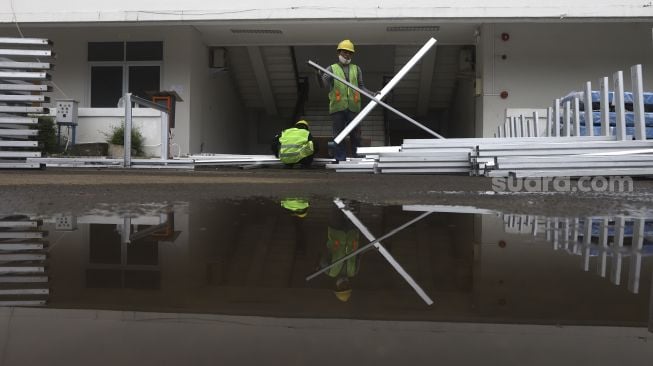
[47, 136]
[117, 137]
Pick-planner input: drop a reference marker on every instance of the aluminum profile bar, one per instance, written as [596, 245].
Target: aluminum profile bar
[574, 172]
[549, 121]
[25, 65]
[29, 75]
[556, 118]
[536, 124]
[388, 257]
[386, 89]
[513, 127]
[20, 154]
[21, 246]
[24, 291]
[147, 103]
[18, 143]
[635, 265]
[506, 128]
[367, 246]
[576, 114]
[16, 109]
[523, 130]
[638, 101]
[375, 99]
[34, 53]
[617, 245]
[587, 102]
[15, 132]
[18, 165]
[25, 87]
[19, 120]
[566, 120]
[23, 257]
[32, 224]
[128, 131]
[472, 141]
[23, 279]
[23, 98]
[21, 234]
[22, 269]
[605, 107]
[587, 242]
[165, 141]
[23, 303]
[25, 41]
[620, 109]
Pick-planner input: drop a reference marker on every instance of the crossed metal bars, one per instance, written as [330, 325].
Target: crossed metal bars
[378, 98]
[376, 243]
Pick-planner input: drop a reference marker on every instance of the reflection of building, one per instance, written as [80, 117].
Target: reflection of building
[23, 254]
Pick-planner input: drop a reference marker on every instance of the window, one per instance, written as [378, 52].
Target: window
[117, 68]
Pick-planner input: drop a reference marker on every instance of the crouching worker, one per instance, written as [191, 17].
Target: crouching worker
[295, 146]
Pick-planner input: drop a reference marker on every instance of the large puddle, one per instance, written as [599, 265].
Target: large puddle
[262, 257]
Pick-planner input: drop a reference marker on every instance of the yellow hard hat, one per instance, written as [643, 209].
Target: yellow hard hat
[346, 45]
[343, 295]
[302, 122]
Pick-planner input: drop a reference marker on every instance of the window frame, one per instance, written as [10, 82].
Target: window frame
[125, 70]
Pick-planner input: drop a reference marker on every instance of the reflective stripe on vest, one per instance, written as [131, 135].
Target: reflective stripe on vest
[342, 97]
[294, 145]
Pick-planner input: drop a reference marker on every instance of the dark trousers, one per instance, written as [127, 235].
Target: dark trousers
[340, 121]
[305, 162]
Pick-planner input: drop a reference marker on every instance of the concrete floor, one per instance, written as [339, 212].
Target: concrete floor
[56, 190]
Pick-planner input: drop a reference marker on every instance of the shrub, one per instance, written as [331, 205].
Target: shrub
[117, 137]
[47, 136]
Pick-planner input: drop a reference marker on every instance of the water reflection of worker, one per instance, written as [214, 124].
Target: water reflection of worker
[342, 239]
[298, 208]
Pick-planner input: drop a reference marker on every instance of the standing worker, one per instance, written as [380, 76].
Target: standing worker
[295, 146]
[344, 102]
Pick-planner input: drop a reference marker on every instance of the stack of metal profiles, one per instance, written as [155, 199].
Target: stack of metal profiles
[24, 65]
[23, 255]
[615, 144]
[427, 156]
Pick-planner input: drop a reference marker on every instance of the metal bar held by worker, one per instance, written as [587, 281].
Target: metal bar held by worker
[375, 99]
[386, 89]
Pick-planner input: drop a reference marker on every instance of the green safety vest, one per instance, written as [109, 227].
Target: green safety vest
[341, 243]
[294, 145]
[295, 204]
[342, 97]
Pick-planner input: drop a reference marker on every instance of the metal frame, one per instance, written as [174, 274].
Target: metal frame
[128, 99]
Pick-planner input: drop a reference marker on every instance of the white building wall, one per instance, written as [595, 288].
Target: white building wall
[171, 10]
[71, 76]
[217, 114]
[546, 61]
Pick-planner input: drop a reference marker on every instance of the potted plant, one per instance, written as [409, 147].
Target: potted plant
[116, 140]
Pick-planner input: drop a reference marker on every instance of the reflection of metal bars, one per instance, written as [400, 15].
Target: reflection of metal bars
[608, 243]
[23, 254]
[376, 243]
